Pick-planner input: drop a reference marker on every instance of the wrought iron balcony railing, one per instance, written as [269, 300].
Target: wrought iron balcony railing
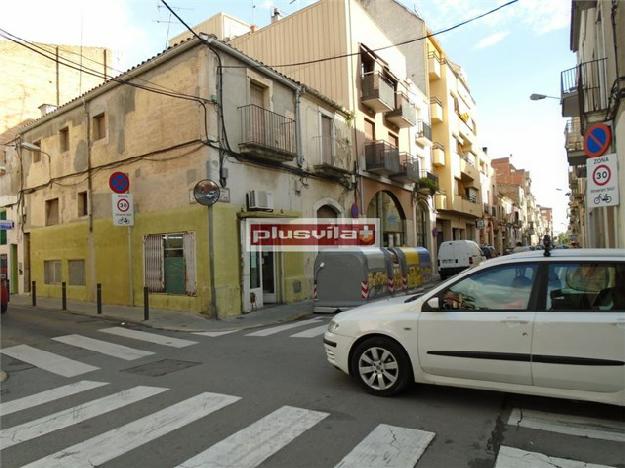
[266, 133]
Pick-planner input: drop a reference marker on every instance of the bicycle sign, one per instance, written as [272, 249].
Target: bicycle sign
[602, 181]
[123, 211]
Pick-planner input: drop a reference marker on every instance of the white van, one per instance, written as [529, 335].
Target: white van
[455, 256]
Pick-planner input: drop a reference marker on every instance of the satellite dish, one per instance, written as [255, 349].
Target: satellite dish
[206, 192]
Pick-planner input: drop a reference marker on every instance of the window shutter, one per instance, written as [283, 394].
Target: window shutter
[189, 260]
[153, 254]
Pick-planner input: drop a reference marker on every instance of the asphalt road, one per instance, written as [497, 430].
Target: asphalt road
[235, 388]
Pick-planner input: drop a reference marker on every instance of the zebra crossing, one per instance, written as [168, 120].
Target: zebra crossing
[67, 367]
[246, 447]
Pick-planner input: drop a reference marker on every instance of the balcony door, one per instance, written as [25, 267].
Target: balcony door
[257, 115]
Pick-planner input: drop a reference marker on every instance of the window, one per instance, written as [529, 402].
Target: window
[3, 232]
[99, 126]
[52, 271]
[257, 95]
[393, 139]
[76, 272]
[64, 140]
[83, 204]
[506, 287]
[585, 287]
[52, 211]
[170, 263]
[37, 154]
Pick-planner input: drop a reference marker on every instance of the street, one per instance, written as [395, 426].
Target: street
[118, 396]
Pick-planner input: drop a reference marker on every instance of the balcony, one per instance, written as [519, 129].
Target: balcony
[335, 157]
[267, 135]
[424, 132]
[438, 155]
[583, 89]
[405, 114]
[574, 142]
[408, 169]
[468, 171]
[436, 110]
[466, 206]
[378, 93]
[440, 201]
[434, 65]
[382, 158]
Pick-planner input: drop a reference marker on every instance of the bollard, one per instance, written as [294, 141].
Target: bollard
[8, 291]
[33, 292]
[99, 297]
[146, 304]
[63, 296]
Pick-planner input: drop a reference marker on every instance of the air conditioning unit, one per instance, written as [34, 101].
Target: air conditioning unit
[259, 200]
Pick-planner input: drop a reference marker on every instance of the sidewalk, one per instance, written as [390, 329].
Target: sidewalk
[172, 320]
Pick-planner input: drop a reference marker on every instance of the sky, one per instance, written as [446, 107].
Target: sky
[506, 56]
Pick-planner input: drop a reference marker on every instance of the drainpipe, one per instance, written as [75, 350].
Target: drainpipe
[298, 125]
[90, 240]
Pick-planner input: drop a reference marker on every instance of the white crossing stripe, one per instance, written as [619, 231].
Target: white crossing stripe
[569, 424]
[151, 337]
[279, 328]
[388, 446]
[215, 333]
[514, 458]
[251, 446]
[77, 414]
[312, 332]
[46, 396]
[104, 347]
[48, 361]
[111, 444]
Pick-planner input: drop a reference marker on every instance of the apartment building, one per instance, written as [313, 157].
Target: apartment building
[275, 147]
[592, 92]
[384, 91]
[458, 160]
[32, 85]
[515, 184]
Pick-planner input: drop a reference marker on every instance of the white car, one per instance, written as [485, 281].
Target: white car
[524, 323]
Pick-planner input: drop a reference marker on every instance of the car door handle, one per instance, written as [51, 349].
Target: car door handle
[514, 321]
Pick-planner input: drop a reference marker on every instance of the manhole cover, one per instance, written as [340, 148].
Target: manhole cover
[160, 368]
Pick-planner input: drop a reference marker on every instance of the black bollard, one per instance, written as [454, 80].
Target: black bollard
[33, 292]
[63, 296]
[99, 297]
[146, 304]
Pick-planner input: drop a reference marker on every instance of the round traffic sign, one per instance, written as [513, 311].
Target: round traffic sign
[123, 205]
[597, 140]
[601, 175]
[119, 182]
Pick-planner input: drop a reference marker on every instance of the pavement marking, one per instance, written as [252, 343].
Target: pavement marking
[312, 332]
[46, 396]
[279, 328]
[215, 333]
[510, 457]
[151, 337]
[77, 414]
[48, 361]
[568, 424]
[104, 347]
[111, 444]
[388, 446]
[251, 446]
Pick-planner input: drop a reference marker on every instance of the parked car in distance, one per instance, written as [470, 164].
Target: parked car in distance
[455, 256]
[523, 323]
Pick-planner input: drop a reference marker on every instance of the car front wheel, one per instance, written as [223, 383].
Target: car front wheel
[381, 366]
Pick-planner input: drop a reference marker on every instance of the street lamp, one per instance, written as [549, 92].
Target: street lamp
[31, 147]
[538, 97]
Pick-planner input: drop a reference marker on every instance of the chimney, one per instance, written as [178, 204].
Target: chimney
[47, 108]
[253, 28]
[276, 16]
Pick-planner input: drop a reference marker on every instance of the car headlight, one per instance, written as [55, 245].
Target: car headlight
[332, 326]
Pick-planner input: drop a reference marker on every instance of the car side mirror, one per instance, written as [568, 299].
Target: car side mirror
[434, 303]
